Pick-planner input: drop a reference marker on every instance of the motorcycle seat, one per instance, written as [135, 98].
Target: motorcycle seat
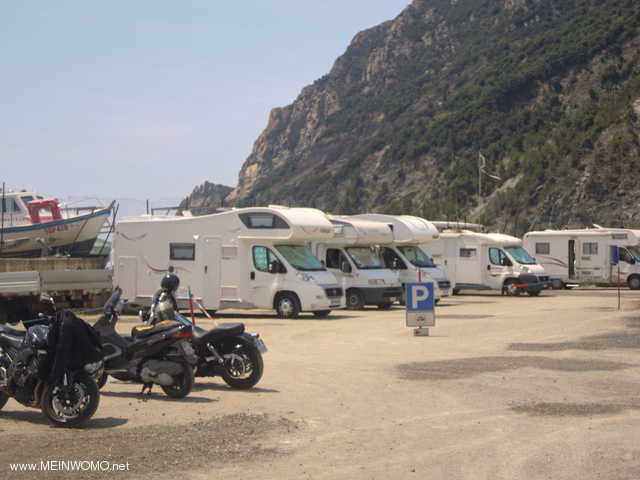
[10, 341]
[143, 331]
[222, 330]
[12, 331]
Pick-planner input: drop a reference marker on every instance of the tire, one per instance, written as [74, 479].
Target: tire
[321, 313]
[455, 291]
[184, 386]
[510, 289]
[243, 379]
[287, 306]
[354, 300]
[534, 293]
[4, 398]
[634, 282]
[102, 381]
[51, 403]
[557, 284]
[384, 306]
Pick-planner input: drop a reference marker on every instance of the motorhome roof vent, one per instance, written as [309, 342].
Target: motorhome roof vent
[263, 220]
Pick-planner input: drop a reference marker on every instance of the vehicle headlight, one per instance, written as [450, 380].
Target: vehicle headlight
[524, 268]
[305, 277]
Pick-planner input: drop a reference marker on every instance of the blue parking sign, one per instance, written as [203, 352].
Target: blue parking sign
[420, 301]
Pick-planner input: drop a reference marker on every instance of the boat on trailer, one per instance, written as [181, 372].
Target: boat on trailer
[32, 226]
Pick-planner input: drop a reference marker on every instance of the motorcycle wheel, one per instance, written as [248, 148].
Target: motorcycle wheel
[102, 381]
[71, 412]
[183, 386]
[4, 398]
[244, 369]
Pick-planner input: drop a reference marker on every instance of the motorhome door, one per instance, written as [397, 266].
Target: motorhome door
[210, 291]
[571, 256]
[264, 276]
[470, 268]
[498, 268]
[128, 277]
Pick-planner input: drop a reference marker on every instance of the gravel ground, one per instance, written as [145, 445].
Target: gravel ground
[504, 388]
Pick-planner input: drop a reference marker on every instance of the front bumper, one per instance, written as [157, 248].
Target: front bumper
[379, 295]
[533, 282]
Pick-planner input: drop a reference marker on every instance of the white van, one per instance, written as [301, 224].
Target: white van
[353, 257]
[591, 255]
[242, 258]
[404, 255]
[487, 261]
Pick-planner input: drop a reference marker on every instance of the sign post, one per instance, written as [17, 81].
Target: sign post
[420, 307]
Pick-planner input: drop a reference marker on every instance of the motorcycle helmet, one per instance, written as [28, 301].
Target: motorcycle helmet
[170, 282]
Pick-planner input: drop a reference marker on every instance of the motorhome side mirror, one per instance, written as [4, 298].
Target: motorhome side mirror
[345, 267]
[46, 298]
[276, 267]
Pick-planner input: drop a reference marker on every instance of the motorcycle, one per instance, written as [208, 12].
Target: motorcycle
[226, 350]
[154, 354]
[25, 362]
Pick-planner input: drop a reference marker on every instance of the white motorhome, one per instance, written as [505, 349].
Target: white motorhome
[592, 255]
[353, 257]
[242, 258]
[487, 261]
[404, 255]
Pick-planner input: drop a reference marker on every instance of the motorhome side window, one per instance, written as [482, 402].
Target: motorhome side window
[468, 252]
[496, 256]
[333, 258]
[589, 248]
[262, 220]
[543, 248]
[391, 259]
[182, 251]
[261, 258]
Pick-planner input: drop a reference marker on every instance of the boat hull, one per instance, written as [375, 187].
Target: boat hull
[74, 236]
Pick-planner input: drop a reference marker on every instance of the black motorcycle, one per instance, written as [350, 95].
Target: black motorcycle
[25, 363]
[226, 350]
[154, 354]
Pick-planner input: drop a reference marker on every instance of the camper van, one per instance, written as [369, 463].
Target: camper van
[404, 255]
[487, 261]
[241, 258]
[352, 255]
[593, 255]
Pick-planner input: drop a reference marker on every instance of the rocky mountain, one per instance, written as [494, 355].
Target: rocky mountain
[546, 92]
[206, 198]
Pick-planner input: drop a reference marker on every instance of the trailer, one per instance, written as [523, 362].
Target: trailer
[244, 258]
[352, 255]
[487, 261]
[588, 256]
[405, 256]
[71, 281]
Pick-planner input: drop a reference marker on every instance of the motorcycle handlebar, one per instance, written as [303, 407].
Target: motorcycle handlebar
[111, 304]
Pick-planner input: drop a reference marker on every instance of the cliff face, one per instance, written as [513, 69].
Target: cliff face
[206, 198]
[547, 91]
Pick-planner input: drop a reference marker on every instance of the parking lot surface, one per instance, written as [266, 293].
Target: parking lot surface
[504, 388]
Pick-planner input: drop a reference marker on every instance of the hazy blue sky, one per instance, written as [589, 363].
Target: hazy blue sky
[146, 99]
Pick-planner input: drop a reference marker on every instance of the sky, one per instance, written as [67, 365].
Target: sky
[149, 98]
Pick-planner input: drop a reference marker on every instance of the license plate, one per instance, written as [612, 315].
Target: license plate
[262, 348]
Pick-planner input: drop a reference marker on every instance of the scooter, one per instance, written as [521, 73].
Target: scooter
[226, 350]
[154, 354]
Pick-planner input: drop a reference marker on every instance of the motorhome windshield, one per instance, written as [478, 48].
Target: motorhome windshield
[417, 257]
[520, 255]
[635, 251]
[365, 258]
[300, 258]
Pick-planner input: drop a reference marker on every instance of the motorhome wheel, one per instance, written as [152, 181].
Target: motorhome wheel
[534, 293]
[287, 306]
[354, 300]
[634, 282]
[557, 284]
